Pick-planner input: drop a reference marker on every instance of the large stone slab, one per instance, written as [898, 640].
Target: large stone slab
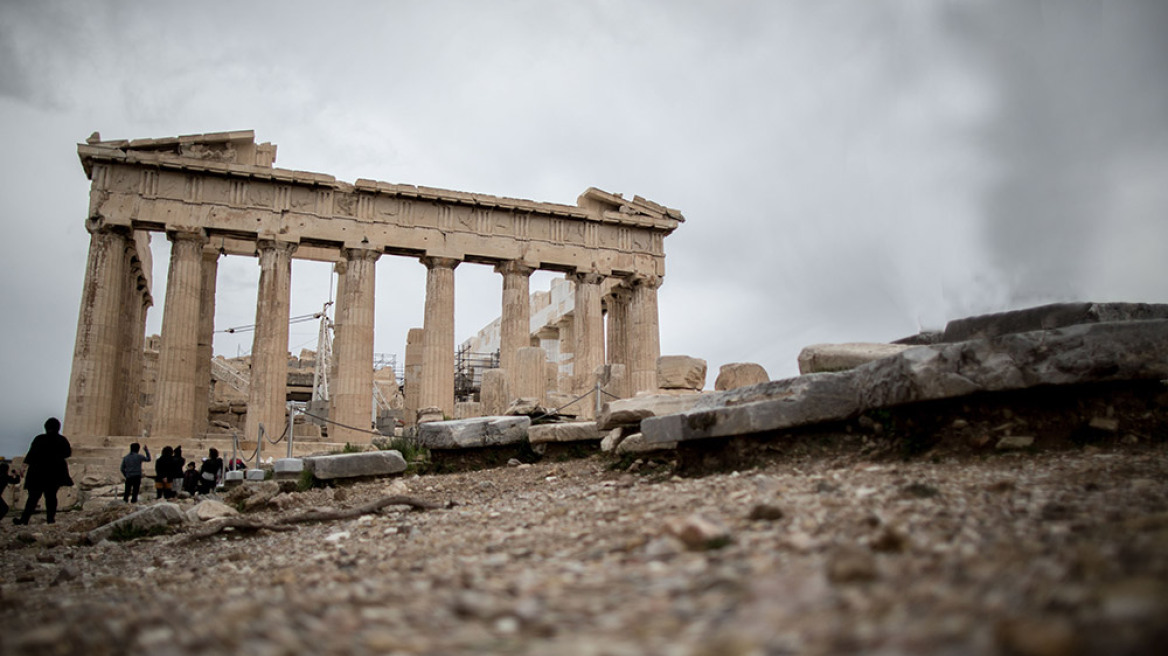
[576, 431]
[1049, 317]
[158, 515]
[473, 433]
[819, 358]
[1088, 353]
[630, 412]
[356, 465]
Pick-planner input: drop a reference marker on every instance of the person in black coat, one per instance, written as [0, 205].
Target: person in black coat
[46, 471]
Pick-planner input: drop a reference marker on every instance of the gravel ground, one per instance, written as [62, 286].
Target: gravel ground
[832, 552]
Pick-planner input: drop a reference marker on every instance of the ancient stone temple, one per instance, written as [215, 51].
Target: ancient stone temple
[218, 195]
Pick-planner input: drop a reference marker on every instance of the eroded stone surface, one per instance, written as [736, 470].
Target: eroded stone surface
[474, 433]
[630, 412]
[819, 358]
[577, 431]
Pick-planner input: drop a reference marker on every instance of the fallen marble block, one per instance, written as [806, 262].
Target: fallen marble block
[740, 374]
[473, 433]
[355, 465]
[150, 518]
[1080, 354]
[576, 431]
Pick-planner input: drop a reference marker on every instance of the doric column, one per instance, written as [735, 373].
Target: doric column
[174, 401]
[413, 374]
[567, 345]
[339, 268]
[515, 321]
[589, 351]
[617, 333]
[127, 399]
[351, 392]
[644, 342]
[205, 349]
[89, 409]
[438, 342]
[268, 391]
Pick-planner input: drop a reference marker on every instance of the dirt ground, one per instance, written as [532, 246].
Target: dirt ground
[832, 546]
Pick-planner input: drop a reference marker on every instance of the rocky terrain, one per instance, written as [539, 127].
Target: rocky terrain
[823, 547]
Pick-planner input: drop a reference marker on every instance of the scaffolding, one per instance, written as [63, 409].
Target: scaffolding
[468, 372]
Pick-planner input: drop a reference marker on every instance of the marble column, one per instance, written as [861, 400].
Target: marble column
[437, 389]
[127, 401]
[589, 351]
[205, 350]
[515, 320]
[644, 342]
[351, 390]
[174, 400]
[618, 333]
[567, 344]
[93, 380]
[339, 268]
[413, 375]
[268, 391]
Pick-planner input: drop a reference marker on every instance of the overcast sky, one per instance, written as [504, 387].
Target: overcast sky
[849, 170]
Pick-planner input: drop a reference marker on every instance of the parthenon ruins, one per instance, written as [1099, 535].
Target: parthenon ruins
[218, 194]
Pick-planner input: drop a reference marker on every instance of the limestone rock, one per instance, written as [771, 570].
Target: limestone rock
[357, 465]
[630, 412]
[210, 509]
[841, 357]
[697, 532]
[577, 431]
[636, 443]
[471, 433]
[740, 374]
[524, 406]
[494, 395]
[1092, 353]
[681, 372]
[1014, 442]
[149, 518]
[611, 439]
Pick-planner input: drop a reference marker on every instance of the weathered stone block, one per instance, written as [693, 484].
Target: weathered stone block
[356, 465]
[210, 509]
[681, 372]
[819, 358]
[740, 374]
[147, 519]
[471, 433]
[1049, 317]
[636, 443]
[630, 412]
[577, 431]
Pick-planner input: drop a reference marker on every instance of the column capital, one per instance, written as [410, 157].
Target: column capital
[99, 225]
[620, 292]
[514, 266]
[352, 254]
[271, 243]
[211, 253]
[440, 262]
[588, 278]
[197, 235]
[644, 280]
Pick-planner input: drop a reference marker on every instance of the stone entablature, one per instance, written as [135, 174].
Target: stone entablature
[213, 183]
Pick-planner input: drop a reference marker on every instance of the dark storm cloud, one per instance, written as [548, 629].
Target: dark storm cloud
[1081, 91]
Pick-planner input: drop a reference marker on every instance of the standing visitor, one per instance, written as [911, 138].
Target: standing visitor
[6, 477]
[46, 471]
[210, 472]
[163, 476]
[132, 471]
